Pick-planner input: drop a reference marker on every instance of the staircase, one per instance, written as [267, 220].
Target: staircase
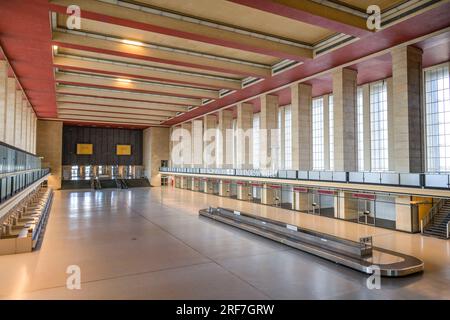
[437, 227]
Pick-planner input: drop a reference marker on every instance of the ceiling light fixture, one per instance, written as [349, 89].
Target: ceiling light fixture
[123, 80]
[132, 42]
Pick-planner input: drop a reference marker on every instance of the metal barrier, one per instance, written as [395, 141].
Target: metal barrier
[412, 180]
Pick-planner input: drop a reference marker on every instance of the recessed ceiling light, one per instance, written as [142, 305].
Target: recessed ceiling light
[55, 47]
[132, 42]
[123, 80]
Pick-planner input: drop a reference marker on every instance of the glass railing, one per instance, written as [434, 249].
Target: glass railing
[14, 160]
[13, 183]
[415, 180]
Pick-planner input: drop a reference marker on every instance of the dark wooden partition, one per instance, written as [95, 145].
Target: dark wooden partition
[104, 142]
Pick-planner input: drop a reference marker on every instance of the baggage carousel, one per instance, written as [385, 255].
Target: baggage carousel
[361, 256]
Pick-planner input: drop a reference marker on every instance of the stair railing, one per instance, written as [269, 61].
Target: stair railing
[448, 229]
[430, 215]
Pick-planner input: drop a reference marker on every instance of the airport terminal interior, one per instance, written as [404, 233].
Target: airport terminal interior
[225, 149]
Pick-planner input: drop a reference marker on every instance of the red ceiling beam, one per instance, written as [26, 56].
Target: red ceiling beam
[312, 13]
[182, 29]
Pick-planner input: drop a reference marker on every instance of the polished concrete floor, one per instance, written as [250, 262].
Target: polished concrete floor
[151, 244]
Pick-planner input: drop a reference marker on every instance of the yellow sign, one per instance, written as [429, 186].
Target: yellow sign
[84, 148]
[123, 150]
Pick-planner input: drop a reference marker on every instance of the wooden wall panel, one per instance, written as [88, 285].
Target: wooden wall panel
[104, 141]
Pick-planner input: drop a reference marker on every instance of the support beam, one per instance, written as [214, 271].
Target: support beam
[142, 72]
[268, 134]
[301, 101]
[344, 100]
[107, 119]
[408, 120]
[121, 115]
[197, 143]
[134, 85]
[225, 141]
[127, 95]
[151, 22]
[244, 139]
[162, 114]
[116, 48]
[313, 13]
[187, 144]
[209, 141]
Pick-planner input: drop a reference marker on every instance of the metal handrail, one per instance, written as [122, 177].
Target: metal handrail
[430, 215]
[448, 229]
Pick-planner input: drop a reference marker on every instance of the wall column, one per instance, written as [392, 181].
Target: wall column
[197, 143]
[225, 142]
[18, 119]
[49, 146]
[366, 128]
[268, 122]
[301, 99]
[407, 98]
[155, 149]
[3, 97]
[209, 141]
[244, 126]
[9, 111]
[23, 144]
[187, 144]
[326, 132]
[344, 100]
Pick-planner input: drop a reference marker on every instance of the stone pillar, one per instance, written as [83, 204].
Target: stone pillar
[171, 145]
[3, 97]
[408, 120]
[403, 215]
[326, 132]
[197, 143]
[243, 191]
[366, 128]
[187, 144]
[268, 155]
[301, 99]
[195, 184]
[224, 188]
[225, 139]
[267, 195]
[300, 200]
[9, 111]
[344, 106]
[209, 186]
[18, 120]
[209, 144]
[49, 146]
[155, 149]
[24, 117]
[347, 207]
[244, 134]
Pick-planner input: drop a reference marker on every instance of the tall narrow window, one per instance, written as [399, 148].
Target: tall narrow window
[317, 133]
[287, 138]
[437, 100]
[256, 141]
[360, 128]
[279, 165]
[379, 126]
[331, 129]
